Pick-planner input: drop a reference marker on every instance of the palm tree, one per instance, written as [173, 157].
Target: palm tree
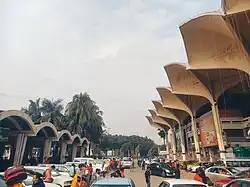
[85, 118]
[34, 110]
[52, 112]
[162, 134]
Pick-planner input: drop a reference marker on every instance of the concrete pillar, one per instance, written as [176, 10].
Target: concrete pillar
[47, 148]
[183, 149]
[82, 154]
[74, 151]
[218, 129]
[174, 143]
[167, 145]
[63, 150]
[196, 138]
[20, 148]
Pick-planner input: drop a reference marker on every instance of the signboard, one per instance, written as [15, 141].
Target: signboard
[207, 131]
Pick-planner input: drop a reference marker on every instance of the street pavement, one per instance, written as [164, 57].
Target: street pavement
[137, 175]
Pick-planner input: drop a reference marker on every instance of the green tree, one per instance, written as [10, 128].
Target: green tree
[85, 117]
[162, 134]
[34, 110]
[52, 112]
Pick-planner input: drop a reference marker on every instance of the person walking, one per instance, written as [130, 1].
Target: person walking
[147, 176]
[177, 172]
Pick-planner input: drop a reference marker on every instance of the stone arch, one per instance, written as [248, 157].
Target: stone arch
[46, 129]
[17, 121]
[84, 141]
[212, 44]
[76, 139]
[235, 6]
[65, 135]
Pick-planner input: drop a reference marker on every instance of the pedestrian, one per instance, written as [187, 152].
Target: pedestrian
[147, 177]
[37, 181]
[48, 175]
[177, 172]
[143, 164]
[72, 170]
[90, 172]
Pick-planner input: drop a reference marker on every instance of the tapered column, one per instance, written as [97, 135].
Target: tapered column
[183, 149]
[74, 151]
[63, 150]
[47, 148]
[196, 138]
[167, 145]
[20, 148]
[218, 128]
[174, 143]
[83, 148]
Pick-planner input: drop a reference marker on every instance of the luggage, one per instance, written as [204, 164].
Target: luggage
[15, 175]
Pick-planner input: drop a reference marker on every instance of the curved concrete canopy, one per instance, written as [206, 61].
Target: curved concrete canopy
[185, 82]
[170, 100]
[212, 44]
[17, 121]
[47, 130]
[76, 139]
[159, 120]
[164, 112]
[150, 120]
[65, 135]
[234, 6]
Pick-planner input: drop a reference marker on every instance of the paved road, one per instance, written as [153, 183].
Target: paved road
[138, 177]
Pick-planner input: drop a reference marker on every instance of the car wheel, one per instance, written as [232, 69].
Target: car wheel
[163, 174]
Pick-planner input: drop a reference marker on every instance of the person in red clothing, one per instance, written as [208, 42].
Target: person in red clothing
[90, 172]
[197, 176]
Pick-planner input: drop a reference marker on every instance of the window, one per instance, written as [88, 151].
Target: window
[234, 184]
[153, 165]
[245, 184]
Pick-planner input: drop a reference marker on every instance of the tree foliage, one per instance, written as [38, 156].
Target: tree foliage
[81, 116]
[126, 143]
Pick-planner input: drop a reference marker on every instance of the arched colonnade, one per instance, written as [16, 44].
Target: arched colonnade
[18, 129]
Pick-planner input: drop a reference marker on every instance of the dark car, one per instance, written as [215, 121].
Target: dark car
[162, 169]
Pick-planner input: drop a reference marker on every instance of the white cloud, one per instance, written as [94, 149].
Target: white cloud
[115, 50]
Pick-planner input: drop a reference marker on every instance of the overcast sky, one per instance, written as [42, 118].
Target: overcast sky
[113, 49]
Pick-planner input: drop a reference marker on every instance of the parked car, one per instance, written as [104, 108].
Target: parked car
[216, 173]
[162, 169]
[127, 162]
[240, 175]
[62, 180]
[238, 183]
[116, 182]
[62, 169]
[181, 183]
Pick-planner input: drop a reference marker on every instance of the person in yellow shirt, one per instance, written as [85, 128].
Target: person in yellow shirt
[17, 185]
[74, 181]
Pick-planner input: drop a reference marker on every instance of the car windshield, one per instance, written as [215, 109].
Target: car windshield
[242, 174]
[164, 165]
[189, 185]
[127, 159]
[233, 170]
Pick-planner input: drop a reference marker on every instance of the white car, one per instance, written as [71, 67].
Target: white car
[62, 169]
[181, 183]
[194, 168]
[62, 180]
[127, 162]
